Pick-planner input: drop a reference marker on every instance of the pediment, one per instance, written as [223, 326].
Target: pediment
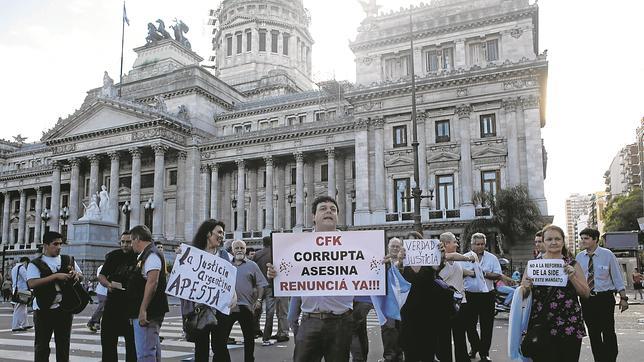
[100, 116]
[399, 160]
[443, 156]
[488, 151]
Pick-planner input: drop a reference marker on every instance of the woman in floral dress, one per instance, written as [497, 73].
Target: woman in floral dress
[558, 307]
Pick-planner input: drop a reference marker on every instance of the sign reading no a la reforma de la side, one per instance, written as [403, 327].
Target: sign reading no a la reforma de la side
[329, 263]
[203, 278]
[547, 272]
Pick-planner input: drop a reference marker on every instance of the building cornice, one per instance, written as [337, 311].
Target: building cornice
[273, 108]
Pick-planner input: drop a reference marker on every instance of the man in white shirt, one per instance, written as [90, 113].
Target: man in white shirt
[94, 323]
[20, 315]
[45, 275]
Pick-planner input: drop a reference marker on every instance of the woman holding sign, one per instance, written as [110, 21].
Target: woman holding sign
[556, 322]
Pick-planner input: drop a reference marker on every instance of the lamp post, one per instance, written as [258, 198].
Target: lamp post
[149, 210]
[64, 215]
[44, 215]
[126, 209]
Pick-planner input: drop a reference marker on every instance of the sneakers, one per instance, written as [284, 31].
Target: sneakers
[231, 341]
[282, 339]
[267, 343]
[92, 327]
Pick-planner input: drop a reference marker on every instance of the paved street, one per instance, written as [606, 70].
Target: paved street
[86, 345]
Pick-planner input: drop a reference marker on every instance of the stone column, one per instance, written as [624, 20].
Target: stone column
[135, 202]
[5, 216]
[299, 191]
[362, 215]
[390, 195]
[180, 234]
[38, 224]
[204, 208]
[21, 216]
[74, 192]
[534, 151]
[309, 186]
[226, 209]
[459, 55]
[379, 207]
[331, 188]
[94, 161]
[342, 189]
[240, 196]
[214, 190]
[269, 194]
[281, 197]
[253, 205]
[54, 223]
[514, 174]
[114, 186]
[467, 207]
[159, 197]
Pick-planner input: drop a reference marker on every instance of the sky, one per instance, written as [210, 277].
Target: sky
[53, 51]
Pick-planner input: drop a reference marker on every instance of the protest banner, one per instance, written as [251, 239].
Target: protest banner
[203, 278]
[422, 252]
[547, 272]
[329, 263]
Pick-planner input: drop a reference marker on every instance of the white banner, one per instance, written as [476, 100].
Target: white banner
[329, 263]
[547, 272]
[422, 252]
[203, 278]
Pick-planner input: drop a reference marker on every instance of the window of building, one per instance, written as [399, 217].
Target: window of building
[125, 181]
[263, 218]
[32, 205]
[490, 181]
[16, 206]
[229, 45]
[400, 136]
[492, 50]
[396, 67]
[86, 191]
[48, 203]
[291, 120]
[264, 124]
[330, 115]
[324, 172]
[293, 175]
[285, 39]
[439, 59]
[487, 51]
[238, 37]
[353, 170]
[302, 118]
[442, 131]
[238, 129]
[172, 178]
[262, 40]
[445, 190]
[147, 180]
[274, 122]
[247, 127]
[320, 116]
[106, 182]
[488, 125]
[65, 201]
[274, 35]
[32, 233]
[293, 213]
[249, 40]
[264, 179]
[402, 190]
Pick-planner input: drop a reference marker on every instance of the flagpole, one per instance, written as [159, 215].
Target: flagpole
[122, 45]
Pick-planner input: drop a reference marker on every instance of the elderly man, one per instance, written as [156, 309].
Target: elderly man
[604, 279]
[250, 289]
[480, 298]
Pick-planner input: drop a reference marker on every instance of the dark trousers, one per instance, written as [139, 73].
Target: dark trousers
[113, 326]
[390, 332]
[455, 329]
[218, 339]
[599, 315]
[360, 340]
[59, 323]
[246, 320]
[329, 338]
[203, 343]
[480, 309]
[561, 349]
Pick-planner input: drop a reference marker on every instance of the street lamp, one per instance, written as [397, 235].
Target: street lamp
[64, 215]
[126, 209]
[149, 209]
[44, 215]
[233, 203]
[149, 205]
[289, 198]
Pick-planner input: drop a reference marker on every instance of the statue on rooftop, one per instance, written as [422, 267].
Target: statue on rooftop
[153, 35]
[370, 7]
[161, 29]
[179, 29]
[108, 89]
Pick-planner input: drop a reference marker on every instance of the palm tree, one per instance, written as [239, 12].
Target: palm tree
[513, 215]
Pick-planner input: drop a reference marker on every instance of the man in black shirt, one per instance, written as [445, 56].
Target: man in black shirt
[118, 265]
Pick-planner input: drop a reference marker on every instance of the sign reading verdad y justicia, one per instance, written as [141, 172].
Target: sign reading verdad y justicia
[329, 263]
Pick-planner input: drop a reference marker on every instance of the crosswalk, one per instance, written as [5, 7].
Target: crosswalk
[86, 345]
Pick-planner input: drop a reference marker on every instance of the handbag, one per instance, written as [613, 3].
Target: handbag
[453, 296]
[75, 296]
[535, 340]
[21, 297]
[201, 319]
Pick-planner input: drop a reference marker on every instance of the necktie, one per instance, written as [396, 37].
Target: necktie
[591, 272]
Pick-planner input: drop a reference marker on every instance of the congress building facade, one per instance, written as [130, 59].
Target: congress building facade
[254, 141]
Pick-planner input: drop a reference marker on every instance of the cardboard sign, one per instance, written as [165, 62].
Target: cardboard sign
[203, 278]
[334, 263]
[422, 252]
[547, 272]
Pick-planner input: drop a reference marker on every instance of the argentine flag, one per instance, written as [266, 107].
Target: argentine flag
[388, 306]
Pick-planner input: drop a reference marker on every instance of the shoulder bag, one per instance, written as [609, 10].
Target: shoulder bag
[201, 319]
[20, 297]
[75, 296]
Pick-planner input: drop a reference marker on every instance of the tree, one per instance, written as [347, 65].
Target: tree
[514, 215]
[622, 212]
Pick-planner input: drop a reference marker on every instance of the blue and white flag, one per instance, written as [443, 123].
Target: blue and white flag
[388, 306]
[125, 19]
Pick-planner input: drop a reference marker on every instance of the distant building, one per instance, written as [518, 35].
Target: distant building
[576, 205]
[623, 175]
[596, 211]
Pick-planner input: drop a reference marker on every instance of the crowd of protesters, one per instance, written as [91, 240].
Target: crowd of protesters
[447, 307]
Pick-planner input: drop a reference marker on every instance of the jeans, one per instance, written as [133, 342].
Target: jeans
[98, 313]
[113, 326]
[19, 319]
[246, 321]
[480, 309]
[329, 338]
[273, 305]
[509, 292]
[390, 332]
[146, 338]
[599, 315]
[359, 340]
[59, 323]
